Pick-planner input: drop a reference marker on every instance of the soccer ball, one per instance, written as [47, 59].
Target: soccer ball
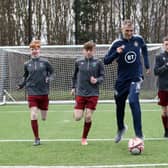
[135, 146]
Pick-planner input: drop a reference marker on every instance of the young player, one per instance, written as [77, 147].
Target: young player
[88, 75]
[126, 51]
[161, 70]
[37, 74]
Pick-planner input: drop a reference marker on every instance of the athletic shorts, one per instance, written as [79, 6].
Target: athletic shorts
[163, 97]
[38, 101]
[86, 102]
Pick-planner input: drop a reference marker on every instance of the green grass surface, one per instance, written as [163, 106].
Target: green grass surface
[15, 125]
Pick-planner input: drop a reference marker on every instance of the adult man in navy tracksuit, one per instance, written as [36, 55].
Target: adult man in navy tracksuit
[126, 51]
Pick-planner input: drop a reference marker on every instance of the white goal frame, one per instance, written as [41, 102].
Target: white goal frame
[7, 94]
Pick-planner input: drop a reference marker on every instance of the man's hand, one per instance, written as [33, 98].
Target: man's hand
[120, 49]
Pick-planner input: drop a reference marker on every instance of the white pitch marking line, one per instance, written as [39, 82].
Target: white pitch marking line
[62, 111]
[76, 140]
[98, 166]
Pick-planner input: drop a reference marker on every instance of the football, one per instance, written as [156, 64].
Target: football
[136, 146]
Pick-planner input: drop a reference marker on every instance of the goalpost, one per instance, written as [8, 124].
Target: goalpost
[62, 59]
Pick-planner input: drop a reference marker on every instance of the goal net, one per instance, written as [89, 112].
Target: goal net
[62, 59]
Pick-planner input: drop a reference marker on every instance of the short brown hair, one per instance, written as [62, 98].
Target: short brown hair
[165, 38]
[89, 45]
[35, 44]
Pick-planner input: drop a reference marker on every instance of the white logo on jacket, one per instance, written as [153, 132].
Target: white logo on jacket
[130, 57]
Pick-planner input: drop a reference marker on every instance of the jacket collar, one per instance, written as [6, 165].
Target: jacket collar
[91, 58]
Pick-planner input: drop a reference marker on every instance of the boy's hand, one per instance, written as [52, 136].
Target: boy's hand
[73, 92]
[148, 71]
[93, 80]
[18, 87]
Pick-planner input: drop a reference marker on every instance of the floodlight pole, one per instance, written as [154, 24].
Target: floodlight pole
[29, 22]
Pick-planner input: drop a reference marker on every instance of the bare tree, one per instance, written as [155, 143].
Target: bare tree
[53, 21]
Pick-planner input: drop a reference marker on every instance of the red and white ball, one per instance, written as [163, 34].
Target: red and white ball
[136, 146]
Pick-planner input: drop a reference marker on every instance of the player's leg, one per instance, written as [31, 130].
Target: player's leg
[135, 108]
[43, 106]
[164, 117]
[87, 125]
[44, 114]
[163, 102]
[166, 130]
[90, 108]
[120, 112]
[78, 114]
[33, 105]
[79, 108]
[34, 124]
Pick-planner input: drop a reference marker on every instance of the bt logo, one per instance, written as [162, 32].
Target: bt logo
[130, 57]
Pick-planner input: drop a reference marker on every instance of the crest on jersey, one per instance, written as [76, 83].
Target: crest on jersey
[130, 57]
[94, 64]
[136, 44]
[41, 64]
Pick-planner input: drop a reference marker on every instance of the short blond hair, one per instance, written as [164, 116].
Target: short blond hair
[127, 22]
[35, 44]
[90, 45]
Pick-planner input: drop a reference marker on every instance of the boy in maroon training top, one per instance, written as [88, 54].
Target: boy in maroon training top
[161, 70]
[37, 74]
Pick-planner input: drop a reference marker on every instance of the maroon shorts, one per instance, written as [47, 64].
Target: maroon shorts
[86, 102]
[39, 101]
[163, 97]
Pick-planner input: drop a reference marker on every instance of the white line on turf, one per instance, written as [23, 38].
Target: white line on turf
[63, 111]
[98, 166]
[76, 140]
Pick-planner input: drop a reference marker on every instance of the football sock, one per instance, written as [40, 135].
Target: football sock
[165, 121]
[86, 129]
[34, 124]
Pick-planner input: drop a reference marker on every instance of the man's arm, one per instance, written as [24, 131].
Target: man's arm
[112, 53]
[145, 55]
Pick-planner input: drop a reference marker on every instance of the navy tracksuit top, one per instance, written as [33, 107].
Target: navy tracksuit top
[129, 61]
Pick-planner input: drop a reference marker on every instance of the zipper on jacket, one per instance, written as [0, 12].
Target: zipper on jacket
[35, 65]
[88, 64]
